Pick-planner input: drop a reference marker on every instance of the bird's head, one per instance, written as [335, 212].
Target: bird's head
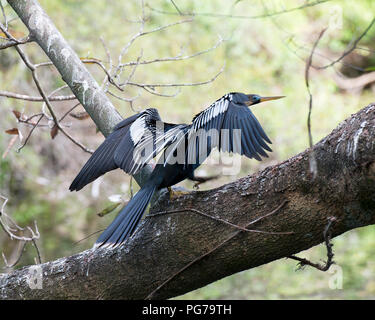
[251, 99]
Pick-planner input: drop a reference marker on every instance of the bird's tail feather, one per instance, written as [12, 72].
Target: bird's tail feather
[127, 220]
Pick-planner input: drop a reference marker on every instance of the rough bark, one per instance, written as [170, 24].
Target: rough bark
[344, 188]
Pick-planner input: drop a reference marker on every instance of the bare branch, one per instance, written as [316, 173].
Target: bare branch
[20, 252]
[179, 57]
[123, 98]
[291, 39]
[350, 49]
[4, 16]
[104, 85]
[30, 133]
[178, 10]
[327, 235]
[69, 111]
[35, 98]
[313, 164]
[45, 97]
[9, 231]
[130, 76]
[169, 85]
[14, 42]
[66, 61]
[142, 33]
[307, 4]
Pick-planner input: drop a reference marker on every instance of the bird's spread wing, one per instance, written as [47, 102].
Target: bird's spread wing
[102, 160]
[212, 117]
[146, 138]
[204, 129]
[229, 127]
[140, 132]
[244, 133]
[132, 144]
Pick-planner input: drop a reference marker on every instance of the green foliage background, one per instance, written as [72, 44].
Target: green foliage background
[261, 55]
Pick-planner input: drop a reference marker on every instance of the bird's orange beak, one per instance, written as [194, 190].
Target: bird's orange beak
[262, 99]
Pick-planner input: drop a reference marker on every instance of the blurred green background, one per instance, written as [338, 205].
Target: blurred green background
[264, 55]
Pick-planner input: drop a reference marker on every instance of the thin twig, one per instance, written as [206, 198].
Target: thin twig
[171, 85]
[259, 16]
[4, 16]
[123, 98]
[39, 259]
[9, 147]
[105, 83]
[9, 232]
[14, 42]
[178, 57]
[46, 99]
[19, 255]
[30, 133]
[306, 48]
[34, 235]
[88, 236]
[132, 72]
[327, 234]
[69, 111]
[290, 39]
[35, 98]
[142, 33]
[178, 10]
[350, 49]
[312, 158]
[161, 94]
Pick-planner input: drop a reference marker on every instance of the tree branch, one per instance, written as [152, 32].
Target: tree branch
[175, 253]
[71, 68]
[34, 98]
[73, 71]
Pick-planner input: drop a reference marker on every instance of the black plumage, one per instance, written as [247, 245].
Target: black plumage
[227, 124]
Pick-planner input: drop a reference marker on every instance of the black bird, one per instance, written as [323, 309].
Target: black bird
[138, 139]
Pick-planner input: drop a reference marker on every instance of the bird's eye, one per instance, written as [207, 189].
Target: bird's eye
[255, 98]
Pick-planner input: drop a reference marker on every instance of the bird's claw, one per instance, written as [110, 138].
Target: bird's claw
[196, 185]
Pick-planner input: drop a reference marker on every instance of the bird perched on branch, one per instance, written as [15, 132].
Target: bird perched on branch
[227, 124]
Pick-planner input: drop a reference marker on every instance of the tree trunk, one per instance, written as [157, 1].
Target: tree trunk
[166, 244]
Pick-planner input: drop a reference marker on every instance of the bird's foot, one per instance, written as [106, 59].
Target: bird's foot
[196, 185]
[173, 194]
[200, 180]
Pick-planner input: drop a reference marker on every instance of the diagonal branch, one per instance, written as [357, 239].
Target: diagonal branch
[305, 5]
[72, 69]
[34, 98]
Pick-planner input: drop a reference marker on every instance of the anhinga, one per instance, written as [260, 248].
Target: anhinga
[139, 138]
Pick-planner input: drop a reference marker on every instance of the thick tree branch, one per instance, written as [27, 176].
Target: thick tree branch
[164, 245]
